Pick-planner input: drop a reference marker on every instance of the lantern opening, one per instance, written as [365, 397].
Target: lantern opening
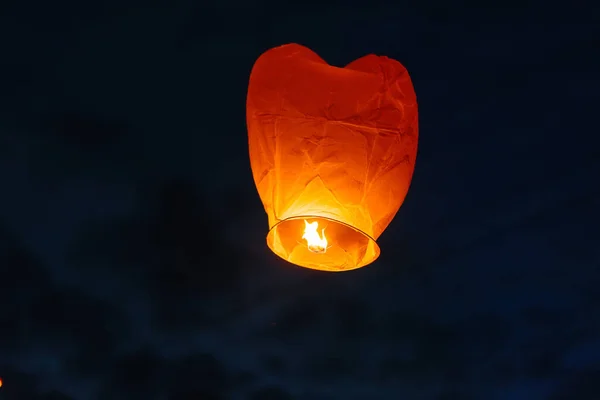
[322, 243]
[315, 242]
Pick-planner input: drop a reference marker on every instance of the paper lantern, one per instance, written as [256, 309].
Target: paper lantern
[332, 152]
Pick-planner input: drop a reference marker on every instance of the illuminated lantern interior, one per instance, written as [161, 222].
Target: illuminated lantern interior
[332, 152]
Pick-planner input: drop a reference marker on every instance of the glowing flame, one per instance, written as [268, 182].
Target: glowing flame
[316, 243]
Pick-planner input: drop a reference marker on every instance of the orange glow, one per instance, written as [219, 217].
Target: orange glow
[0, 382]
[332, 150]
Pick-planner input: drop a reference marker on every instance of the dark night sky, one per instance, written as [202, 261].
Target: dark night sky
[132, 241]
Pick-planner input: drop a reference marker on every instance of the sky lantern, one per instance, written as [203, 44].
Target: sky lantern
[332, 152]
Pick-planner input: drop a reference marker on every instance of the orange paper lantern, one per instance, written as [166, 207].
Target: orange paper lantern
[332, 152]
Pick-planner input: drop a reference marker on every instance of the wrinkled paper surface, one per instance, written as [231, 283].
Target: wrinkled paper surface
[331, 142]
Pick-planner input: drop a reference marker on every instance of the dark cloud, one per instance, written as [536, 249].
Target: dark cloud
[243, 379]
[48, 319]
[273, 364]
[173, 249]
[544, 363]
[196, 394]
[427, 350]
[482, 336]
[54, 395]
[135, 375]
[187, 237]
[200, 372]
[87, 133]
[453, 395]
[67, 314]
[423, 331]
[23, 278]
[580, 385]
[174, 237]
[145, 374]
[352, 317]
[298, 318]
[84, 143]
[333, 364]
[270, 393]
[18, 384]
[544, 318]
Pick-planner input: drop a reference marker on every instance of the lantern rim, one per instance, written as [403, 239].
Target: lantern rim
[368, 259]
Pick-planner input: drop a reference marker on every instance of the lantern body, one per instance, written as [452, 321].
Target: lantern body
[332, 145]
